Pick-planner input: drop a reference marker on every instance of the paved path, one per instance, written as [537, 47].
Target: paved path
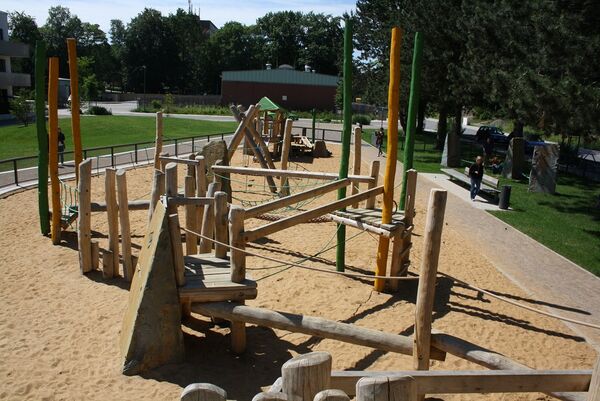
[554, 282]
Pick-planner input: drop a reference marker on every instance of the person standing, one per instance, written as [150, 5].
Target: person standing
[61, 146]
[379, 141]
[488, 148]
[476, 175]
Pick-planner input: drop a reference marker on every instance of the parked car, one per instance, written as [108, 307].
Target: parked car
[487, 131]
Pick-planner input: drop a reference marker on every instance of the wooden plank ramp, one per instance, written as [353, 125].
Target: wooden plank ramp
[208, 279]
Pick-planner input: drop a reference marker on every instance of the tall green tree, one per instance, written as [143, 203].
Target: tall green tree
[23, 28]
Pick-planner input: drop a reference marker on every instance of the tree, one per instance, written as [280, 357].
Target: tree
[20, 108]
[284, 34]
[118, 32]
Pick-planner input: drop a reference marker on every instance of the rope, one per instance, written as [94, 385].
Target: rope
[292, 264]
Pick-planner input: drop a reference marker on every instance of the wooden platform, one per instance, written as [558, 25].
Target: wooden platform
[370, 220]
[208, 279]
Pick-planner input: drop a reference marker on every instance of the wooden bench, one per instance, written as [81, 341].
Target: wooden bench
[489, 184]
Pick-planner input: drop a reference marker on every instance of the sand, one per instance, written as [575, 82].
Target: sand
[59, 330]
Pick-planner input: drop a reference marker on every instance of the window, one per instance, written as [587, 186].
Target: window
[1, 34]
[2, 65]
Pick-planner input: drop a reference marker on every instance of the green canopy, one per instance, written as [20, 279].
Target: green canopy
[267, 104]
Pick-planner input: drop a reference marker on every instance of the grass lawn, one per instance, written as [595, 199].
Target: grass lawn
[105, 131]
[567, 222]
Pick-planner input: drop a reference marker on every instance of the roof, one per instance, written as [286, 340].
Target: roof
[267, 104]
[281, 76]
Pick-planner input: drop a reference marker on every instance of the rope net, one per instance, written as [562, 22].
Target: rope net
[69, 201]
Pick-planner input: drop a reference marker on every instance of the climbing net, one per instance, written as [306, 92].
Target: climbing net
[69, 201]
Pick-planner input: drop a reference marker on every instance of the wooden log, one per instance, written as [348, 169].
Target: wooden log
[309, 214]
[331, 395]
[594, 391]
[374, 175]
[163, 160]
[191, 167]
[411, 194]
[84, 225]
[158, 189]
[263, 147]
[75, 117]
[158, 141]
[386, 388]
[125, 226]
[171, 189]
[200, 189]
[487, 358]
[108, 265]
[236, 235]
[298, 197]
[361, 226]
[428, 274]
[314, 326]
[277, 386]
[173, 219]
[112, 214]
[53, 148]
[306, 375]
[191, 240]
[193, 201]
[221, 229]
[188, 162]
[269, 396]
[208, 220]
[396, 263]
[285, 154]
[239, 132]
[136, 204]
[474, 381]
[95, 254]
[357, 158]
[203, 392]
[289, 173]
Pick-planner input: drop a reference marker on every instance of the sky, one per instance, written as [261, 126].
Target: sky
[218, 11]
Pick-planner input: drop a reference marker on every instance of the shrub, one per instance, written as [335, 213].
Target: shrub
[156, 104]
[361, 119]
[20, 108]
[99, 111]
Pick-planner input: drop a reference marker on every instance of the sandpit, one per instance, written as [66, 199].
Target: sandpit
[59, 330]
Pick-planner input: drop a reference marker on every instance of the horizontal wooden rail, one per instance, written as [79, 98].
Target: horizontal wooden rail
[178, 160]
[192, 200]
[288, 173]
[140, 204]
[363, 226]
[282, 224]
[315, 326]
[291, 199]
[476, 381]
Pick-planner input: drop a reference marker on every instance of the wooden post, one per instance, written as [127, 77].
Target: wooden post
[394, 388]
[426, 291]
[112, 214]
[158, 141]
[191, 240]
[241, 129]
[158, 189]
[208, 220]
[238, 271]
[357, 159]
[75, 123]
[403, 240]
[84, 230]
[177, 248]
[53, 148]
[306, 375]
[221, 224]
[374, 173]
[125, 226]
[200, 189]
[285, 155]
[95, 254]
[269, 396]
[594, 391]
[203, 392]
[392, 149]
[331, 395]
[163, 162]
[108, 264]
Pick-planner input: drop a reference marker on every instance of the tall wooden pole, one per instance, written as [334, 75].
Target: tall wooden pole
[75, 124]
[53, 147]
[413, 106]
[340, 260]
[42, 135]
[158, 140]
[392, 149]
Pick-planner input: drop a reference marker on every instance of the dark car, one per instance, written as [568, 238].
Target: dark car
[487, 131]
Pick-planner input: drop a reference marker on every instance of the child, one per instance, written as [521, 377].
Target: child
[379, 141]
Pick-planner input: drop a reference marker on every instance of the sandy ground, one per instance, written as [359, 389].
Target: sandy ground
[59, 330]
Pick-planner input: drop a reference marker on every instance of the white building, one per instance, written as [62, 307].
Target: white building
[8, 50]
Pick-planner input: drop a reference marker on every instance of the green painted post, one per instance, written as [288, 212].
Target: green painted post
[340, 260]
[42, 135]
[413, 106]
[314, 118]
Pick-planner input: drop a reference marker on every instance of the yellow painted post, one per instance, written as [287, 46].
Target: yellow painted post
[76, 128]
[392, 149]
[53, 147]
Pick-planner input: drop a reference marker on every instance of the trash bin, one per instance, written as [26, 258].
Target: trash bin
[504, 201]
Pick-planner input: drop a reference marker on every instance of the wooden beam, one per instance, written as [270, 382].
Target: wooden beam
[112, 215]
[362, 226]
[158, 189]
[298, 197]
[386, 388]
[236, 235]
[75, 118]
[374, 174]
[314, 326]
[95, 254]
[594, 391]
[306, 375]
[188, 162]
[125, 226]
[173, 220]
[475, 381]
[331, 395]
[487, 358]
[158, 141]
[357, 158]
[137, 204]
[411, 194]
[84, 224]
[185, 201]
[288, 173]
[239, 132]
[108, 264]
[221, 224]
[191, 240]
[208, 220]
[309, 214]
[203, 392]
[285, 155]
